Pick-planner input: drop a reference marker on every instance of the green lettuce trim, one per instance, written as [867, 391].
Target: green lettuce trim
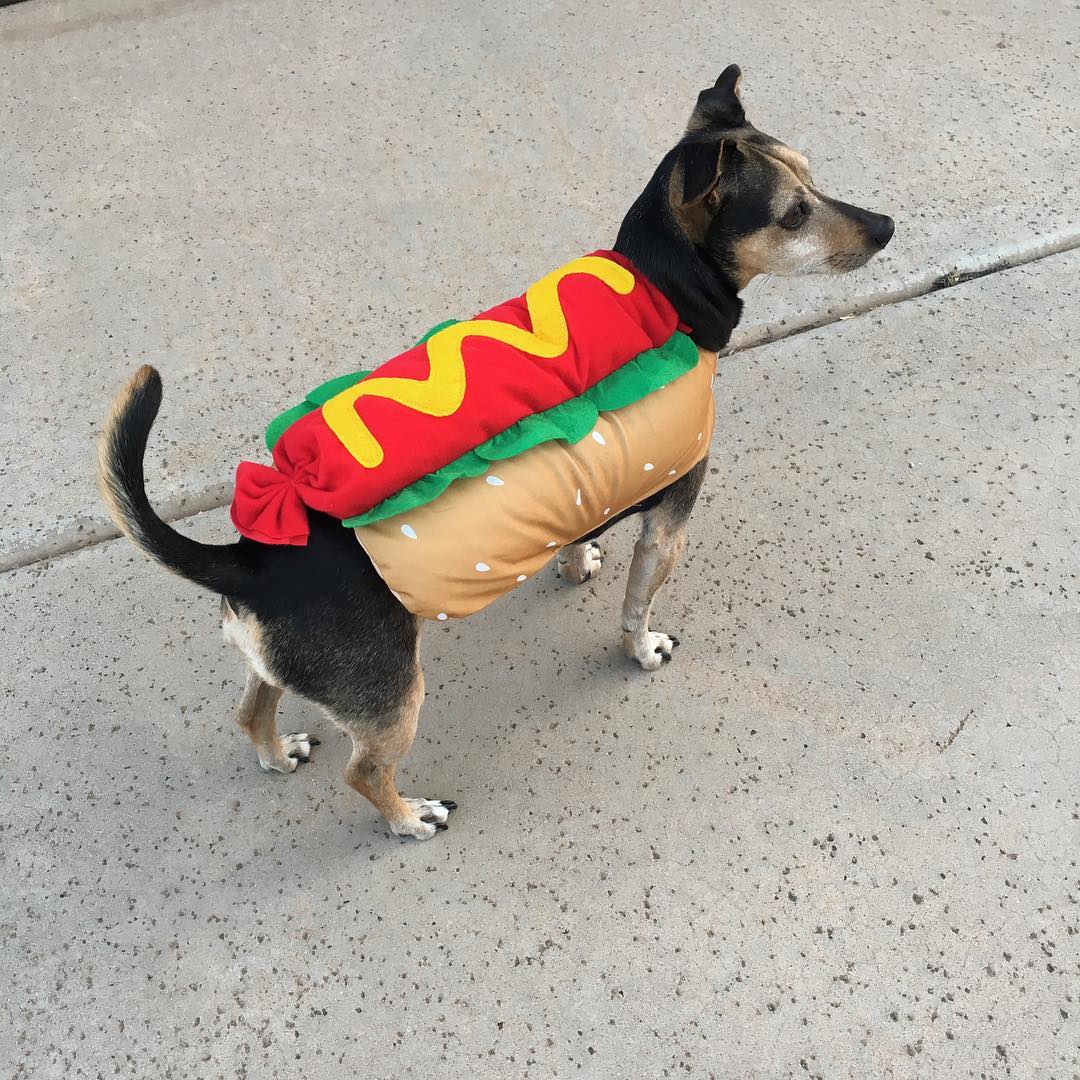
[570, 422]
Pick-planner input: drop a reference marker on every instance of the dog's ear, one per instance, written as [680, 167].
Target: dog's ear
[720, 106]
[703, 165]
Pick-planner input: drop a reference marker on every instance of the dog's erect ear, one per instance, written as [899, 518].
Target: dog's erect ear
[720, 105]
[703, 165]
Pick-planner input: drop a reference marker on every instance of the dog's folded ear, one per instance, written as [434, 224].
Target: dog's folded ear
[720, 106]
[704, 163]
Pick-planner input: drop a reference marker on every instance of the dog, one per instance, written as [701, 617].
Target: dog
[726, 204]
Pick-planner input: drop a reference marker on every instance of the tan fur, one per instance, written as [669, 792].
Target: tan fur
[257, 717]
[578, 562]
[694, 217]
[792, 159]
[111, 494]
[256, 714]
[246, 634]
[376, 753]
[828, 242]
[656, 552]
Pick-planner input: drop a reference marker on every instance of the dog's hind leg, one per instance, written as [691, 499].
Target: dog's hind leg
[378, 745]
[257, 711]
[577, 563]
[662, 541]
[257, 717]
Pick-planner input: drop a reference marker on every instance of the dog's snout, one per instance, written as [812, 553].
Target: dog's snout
[881, 229]
[877, 228]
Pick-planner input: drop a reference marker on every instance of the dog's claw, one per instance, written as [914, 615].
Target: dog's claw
[449, 804]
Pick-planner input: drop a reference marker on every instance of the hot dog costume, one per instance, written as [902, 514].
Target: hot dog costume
[465, 462]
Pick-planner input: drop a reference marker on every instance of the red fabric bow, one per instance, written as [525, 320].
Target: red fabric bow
[267, 507]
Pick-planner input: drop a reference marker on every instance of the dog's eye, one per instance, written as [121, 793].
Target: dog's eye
[795, 216]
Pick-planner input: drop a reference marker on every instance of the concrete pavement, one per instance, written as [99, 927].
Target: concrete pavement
[836, 838]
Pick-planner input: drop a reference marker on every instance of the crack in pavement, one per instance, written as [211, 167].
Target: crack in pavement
[956, 730]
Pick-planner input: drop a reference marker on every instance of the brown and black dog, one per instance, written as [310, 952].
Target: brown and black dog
[726, 204]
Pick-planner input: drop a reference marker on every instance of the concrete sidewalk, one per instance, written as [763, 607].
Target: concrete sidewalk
[836, 838]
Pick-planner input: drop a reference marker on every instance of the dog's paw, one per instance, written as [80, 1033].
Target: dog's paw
[650, 649]
[437, 810]
[579, 562]
[292, 750]
[431, 815]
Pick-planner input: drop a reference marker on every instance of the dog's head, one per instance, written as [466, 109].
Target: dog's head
[750, 204]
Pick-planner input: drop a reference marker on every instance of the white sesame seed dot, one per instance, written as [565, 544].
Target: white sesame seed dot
[494, 481]
[409, 531]
[442, 616]
[599, 438]
[648, 466]
[482, 567]
[673, 472]
[521, 577]
[607, 511]
[552, 543]
[577, 501]
[699, 436]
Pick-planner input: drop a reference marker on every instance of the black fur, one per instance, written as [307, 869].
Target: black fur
[701, 167]
[334, 632]
[688, 276]
[221, 568]
[719, 106]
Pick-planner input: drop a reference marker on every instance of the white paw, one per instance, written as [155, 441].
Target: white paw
[419, 830]
[439, 809]
[579, 562]
[651, 649]
[431, 818]
[294, 749]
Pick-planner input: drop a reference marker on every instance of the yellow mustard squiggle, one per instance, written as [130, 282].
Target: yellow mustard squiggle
[442, 392]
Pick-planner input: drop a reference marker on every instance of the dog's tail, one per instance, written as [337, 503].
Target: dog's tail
[223, 568]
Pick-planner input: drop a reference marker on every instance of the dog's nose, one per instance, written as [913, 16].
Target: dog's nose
[882, 229]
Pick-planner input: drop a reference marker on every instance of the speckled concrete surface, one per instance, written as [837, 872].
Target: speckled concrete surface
[836, 838]
[255, 196]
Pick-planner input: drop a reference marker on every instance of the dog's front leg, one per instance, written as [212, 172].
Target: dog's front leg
[662, 541]
[657, 550]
